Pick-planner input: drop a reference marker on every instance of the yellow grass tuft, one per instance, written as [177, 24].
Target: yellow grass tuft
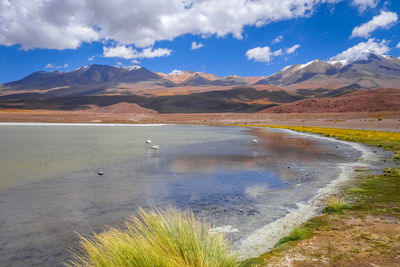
[156, 238]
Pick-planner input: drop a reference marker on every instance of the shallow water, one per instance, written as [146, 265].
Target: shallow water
[49, 187]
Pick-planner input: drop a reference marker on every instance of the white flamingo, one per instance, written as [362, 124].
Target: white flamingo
[155, 148]
[148, 141]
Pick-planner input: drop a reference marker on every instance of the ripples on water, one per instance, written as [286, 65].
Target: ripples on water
[49, 187]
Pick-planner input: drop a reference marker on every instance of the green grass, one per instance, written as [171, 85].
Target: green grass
[378, 194]
[336, 205]
[156, 238]
[298, 233]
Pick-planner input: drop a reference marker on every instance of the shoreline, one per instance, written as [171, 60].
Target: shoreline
[264, 239]
[365, 232]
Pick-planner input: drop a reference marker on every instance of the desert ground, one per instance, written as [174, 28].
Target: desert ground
[381, 121]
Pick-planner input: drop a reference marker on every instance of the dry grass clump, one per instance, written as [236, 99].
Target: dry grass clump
[156, 238]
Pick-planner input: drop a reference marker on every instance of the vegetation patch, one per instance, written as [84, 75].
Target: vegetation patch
[336, 204]
[298, 233]
[379, 194]
[156, 238]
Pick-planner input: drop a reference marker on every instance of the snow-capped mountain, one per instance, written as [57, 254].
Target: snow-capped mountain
[92, 76]
[192, 78]
[364, 68]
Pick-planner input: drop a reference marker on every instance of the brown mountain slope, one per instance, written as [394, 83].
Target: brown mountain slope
[124, 107]
[182, 76]
[360, 101]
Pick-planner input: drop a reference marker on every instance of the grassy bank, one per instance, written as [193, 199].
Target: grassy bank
[359, 227]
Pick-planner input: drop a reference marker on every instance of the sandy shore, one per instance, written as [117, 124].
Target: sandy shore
[382, 121]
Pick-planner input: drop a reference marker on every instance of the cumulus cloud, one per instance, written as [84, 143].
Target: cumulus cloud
[362, 5]
[91, 58]
[150, 53]
[176, 72]
[262, 54]
[398, 45]
[196, 46]
[371, 45]
[384, 20]
[265, 54]
[45, 24]
[292, 49]
[128, 52]
[277, 39]
[52, 66]
[66, 24]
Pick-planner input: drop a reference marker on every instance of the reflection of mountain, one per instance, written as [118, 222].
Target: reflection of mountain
[275, 149]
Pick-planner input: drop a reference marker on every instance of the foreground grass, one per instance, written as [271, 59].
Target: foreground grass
[371, 196]
[155, 238]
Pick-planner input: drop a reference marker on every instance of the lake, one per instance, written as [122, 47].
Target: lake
[50, 189]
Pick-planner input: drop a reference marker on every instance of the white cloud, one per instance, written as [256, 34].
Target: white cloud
[127, 52]
[384, 20]
[120, 51]
[371, 46]
[262, 54]
[150, 53]
[196, 46]
[52, 66]
[66, 24]
[91, 58]
[265, 54]
[135, 61]
[292, 49]
[362, 5]
[277, 39]
[398, 45]
[176, 72]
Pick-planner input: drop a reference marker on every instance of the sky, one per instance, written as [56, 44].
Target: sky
[222, 37]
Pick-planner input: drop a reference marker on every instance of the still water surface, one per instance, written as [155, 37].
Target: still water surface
[49, 187]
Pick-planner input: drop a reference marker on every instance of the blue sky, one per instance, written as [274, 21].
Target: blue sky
[248, 38]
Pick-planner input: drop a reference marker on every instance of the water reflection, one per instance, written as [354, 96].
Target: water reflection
[273, 150]
[215, 171]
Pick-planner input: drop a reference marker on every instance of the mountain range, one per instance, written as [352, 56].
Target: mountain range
[189, 91]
